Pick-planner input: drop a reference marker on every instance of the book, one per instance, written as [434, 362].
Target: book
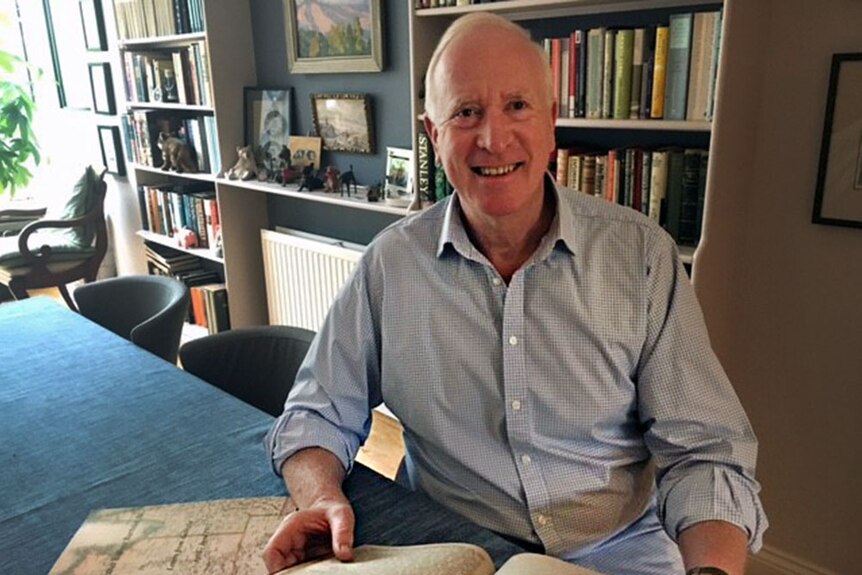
[595, 72]
[659, 73]
[229, 535]
[637, 72]
[608, 69]
[703, 38]
[623, 58]
[678, 52]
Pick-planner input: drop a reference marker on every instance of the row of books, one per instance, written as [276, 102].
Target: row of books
[142, 129]
[153, 18]
[666, 71]
[209, 307]
[667, 185]
[168, 209]
[209, 303]
[178, 75]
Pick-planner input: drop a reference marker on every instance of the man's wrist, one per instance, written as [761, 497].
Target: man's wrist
[706, 571]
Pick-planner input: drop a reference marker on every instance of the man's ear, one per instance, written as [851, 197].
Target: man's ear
[431, 130]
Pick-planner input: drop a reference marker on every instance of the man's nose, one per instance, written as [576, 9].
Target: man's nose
[495, 132]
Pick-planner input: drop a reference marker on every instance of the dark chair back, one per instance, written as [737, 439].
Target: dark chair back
[257, 365]
[147, 310]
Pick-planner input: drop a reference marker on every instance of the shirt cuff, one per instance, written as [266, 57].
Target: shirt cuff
[294, 431]
[713, 494]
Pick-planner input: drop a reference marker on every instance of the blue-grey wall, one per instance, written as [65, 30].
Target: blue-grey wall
[390, 96]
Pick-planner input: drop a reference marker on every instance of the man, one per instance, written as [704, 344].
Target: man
[543, 350]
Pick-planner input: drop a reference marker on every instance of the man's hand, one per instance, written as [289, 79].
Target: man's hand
[324, 521]
[326, 526]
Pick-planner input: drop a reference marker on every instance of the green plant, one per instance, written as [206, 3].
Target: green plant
[19, 149]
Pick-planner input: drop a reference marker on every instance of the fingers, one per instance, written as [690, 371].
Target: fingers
[308, 534]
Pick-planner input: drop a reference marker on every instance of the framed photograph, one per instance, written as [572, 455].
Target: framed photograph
[304, 152]
[93, 24]
[344, 122]
[112, 151]
[102, 89]
[267, 120]
[838, 197]
[399, 177]
[330, 36]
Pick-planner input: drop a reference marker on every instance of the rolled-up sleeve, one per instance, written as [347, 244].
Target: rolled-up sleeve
[702, 443]
[329, 405]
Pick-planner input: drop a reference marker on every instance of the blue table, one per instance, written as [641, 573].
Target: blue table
[88, 420]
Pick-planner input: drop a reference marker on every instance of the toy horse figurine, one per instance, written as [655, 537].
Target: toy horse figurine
[345, 180]
[330, 179]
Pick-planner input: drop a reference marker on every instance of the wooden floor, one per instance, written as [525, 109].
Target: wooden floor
[383, 450]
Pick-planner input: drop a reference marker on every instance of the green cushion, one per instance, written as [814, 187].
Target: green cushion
[74, 204]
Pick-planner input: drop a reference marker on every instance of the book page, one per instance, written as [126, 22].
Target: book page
[431, 559]
[535, 564]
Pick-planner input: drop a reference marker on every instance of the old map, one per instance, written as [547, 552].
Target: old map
[224, 537]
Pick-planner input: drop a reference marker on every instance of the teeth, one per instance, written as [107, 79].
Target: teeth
[498, 170]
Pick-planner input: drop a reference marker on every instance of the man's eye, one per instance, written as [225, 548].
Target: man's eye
[519, 105]
[467, 113]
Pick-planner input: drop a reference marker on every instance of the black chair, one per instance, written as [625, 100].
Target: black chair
[147, 310]
[255, 364]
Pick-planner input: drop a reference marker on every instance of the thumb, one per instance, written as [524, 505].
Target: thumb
[341, 523]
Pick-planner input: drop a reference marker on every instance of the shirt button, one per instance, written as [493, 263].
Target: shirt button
[542, 519]
[513, 340]
[525, 459]
[516, 405]
[496, 281]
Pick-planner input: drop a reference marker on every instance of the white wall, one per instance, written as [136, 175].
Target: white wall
[786, 313]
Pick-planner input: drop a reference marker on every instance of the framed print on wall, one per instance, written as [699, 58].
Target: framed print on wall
[330, 36]
[93, 23]
[102, 88]
[267, 120]
[838, 196]
[344, 122]
[112, 151]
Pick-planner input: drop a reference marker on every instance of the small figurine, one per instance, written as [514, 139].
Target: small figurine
[186, 238]
[175, 154]
[374, 192]
[330, 180]
[288, 173]
[345, 180]
[245, 167]
[310, 180]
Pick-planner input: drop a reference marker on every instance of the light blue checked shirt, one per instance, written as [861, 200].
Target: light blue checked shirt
[580, 407]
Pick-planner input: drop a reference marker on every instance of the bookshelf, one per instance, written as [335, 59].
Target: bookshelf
[557, 19]
[205, 49]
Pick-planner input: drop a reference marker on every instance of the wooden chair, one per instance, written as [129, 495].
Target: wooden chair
[55, 251]
[256, 364]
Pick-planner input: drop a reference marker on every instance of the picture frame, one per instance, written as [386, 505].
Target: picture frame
[344, 122]
[311, 50]
[112, 151]
[838, 195]
[399, 177]
[268, 116]
[304, 152]
[93, 24]
[102, 88]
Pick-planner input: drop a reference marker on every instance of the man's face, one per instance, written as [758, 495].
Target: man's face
[495, 126]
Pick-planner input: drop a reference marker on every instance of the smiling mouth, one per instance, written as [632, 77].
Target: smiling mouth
[493, 171]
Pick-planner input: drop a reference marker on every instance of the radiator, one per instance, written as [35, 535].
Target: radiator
[303, 274]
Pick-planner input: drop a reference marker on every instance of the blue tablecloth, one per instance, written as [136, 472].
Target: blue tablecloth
[88, 420]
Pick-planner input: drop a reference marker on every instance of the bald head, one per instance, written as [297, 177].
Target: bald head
[470, 28]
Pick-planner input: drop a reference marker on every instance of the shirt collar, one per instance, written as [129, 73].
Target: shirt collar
[561, 232]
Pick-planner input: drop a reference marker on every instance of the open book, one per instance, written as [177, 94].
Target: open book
[228, 536]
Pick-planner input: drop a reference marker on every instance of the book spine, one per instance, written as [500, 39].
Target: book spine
[675, 166]
[608, 74]
[637, 73]
[658, 185]
[425, 166]
[678, 52]
[581, 86]
[623, 58]
[688, 203]
[574, 50]
[659, 73]
[595, 70]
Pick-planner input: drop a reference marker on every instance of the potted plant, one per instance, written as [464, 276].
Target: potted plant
[19, 150]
